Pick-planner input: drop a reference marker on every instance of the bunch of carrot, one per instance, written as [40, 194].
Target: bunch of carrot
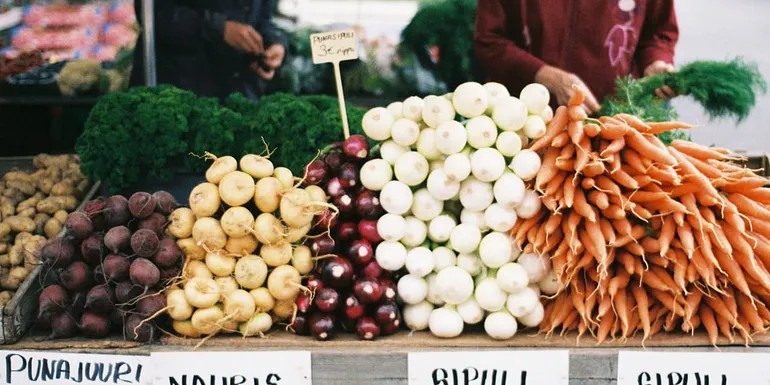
[645, 237]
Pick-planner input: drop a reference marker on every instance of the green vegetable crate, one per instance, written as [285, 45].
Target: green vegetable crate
[19, 314]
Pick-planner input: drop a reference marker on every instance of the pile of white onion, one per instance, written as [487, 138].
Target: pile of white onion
[453, 190]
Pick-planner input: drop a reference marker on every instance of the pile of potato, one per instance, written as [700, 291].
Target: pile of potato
[33, 207]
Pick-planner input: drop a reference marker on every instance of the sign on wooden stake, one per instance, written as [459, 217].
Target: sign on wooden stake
[334, 47]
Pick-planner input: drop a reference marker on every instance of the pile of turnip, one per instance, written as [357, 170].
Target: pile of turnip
[452, 178]
[351, 292]
[242, 241]
[111, 264]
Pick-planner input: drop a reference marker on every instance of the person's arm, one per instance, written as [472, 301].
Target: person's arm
[495, 43]
[659, 35]
[265, 26]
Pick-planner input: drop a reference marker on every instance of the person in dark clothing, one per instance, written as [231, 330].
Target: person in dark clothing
[213, 47]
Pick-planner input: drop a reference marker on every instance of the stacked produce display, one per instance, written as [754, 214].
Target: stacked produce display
[351, 290]
[33, 208]
[110, 264]
[459, 188]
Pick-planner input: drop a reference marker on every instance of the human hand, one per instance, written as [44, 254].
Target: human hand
[560, 82]
[243, 37]
[274, 56]
[657, 67]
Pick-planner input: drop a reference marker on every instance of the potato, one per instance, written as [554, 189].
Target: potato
[40, 220]
[52, 228]
[26, 187]
[16, 256]
[45, 185]
[54, 173]
[32, 248]
[27, 213]
[55, 203]
[61, 216]
[21, 237]
[4, 247]
[19, 224]
[63, 188]
[5, 297]
[5, 260]
[5, 229]
[30, 202]
[17, 176]
[15, 277]
[7, 207]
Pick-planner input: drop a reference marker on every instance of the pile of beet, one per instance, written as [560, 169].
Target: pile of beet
[111, 264]
[352, 293]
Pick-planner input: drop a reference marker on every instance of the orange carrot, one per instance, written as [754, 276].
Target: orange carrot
[650, 245]
[607, 230]
[634, 122]
[582, 155]
[565, 164]
[633, 159]
[680, 269]
[594, 168]
[696, 150]
[706, 169]
[685, 236]
[576, 112]
[746, 205]
[625, 180]
[664, 174]
[592, 130]
[760, 195]
[594, 231]
[638, 142]
[666, 234]
[555, 184]
[744, 184]
[747, 308]
[734, 271]
[560, 140]
[598, 199]
[614, 212]
[646, 196]
[555, 126]
[605, 325]
[620, 308]
[660, 127]
[665, 205]
[578, 97]
[682, 189]
[636, 233]
[582, 207]
[576, 133]
[613, 129]
[570, 187]
[614, 146]
[548, 168]
[692, 172]
[710, 323]
[645, 181]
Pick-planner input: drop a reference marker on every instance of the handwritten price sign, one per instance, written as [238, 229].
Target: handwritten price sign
[334, 47]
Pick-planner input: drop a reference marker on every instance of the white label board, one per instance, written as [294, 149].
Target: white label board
[692, 368]
[31, 367]
[535, 367]
[329, 47]
[232, 368]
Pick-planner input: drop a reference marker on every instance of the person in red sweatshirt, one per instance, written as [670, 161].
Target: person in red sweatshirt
[558, 43]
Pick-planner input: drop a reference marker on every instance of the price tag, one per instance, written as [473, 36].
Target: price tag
[334, 47]
[541, 367]
[232, 368]
[673, 368]
[29, 367]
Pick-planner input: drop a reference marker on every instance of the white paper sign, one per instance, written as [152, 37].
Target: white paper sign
[542, 367]
[31, 367]
[232, 368]
[672, 368]
[329, 47]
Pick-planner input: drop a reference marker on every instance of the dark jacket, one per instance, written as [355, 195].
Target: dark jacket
[190, 49]
[598, 40]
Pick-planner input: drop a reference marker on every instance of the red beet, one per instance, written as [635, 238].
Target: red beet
[388, 289]
[170, 273]
[155, 222]
[135, 332]
[367, 290]
[322, 326]
[168, 254]
[368, 229]
[101, 299]
[95, 325]
[327, 300]
[333, 159]
[390, 327]
[79, 225]
[95, 211]
[58, 252]
[116, 211]
[150, 304]
[99, 276]
[78, 305]
[63, 325]
[344, 203]
[347, 231]
[334, 187]
[356, 146]
[76, 276]
[322, 245]
[141, 204]
[327, 220]
[314, 283]
[360, 252]
[353, 308]
[145, 243]
[164, 202]
[368, 205]
[93, 249]
[337, 273]
[144, 273]
[304, 303]
[53, 299]
[367, 329]
[372, 270]
[315, 172]
[118, 239]
[386, 312]
[116, 267]
[126, 291]
[348, 175]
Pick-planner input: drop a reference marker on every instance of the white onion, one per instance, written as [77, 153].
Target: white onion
[470, 99]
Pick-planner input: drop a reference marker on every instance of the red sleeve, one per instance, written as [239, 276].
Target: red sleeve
[496, 34]
[659, 35]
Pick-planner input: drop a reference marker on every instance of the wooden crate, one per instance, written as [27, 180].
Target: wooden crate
[21, 311]
[756, 161]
